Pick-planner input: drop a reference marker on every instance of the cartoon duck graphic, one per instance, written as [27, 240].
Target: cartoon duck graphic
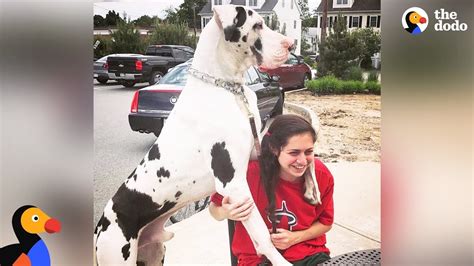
[413, 19]
[29, 221]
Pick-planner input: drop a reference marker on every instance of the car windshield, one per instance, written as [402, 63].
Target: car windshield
[177, 76]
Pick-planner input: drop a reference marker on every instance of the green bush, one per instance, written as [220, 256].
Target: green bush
[354, 73]
[324, 85]
[332, 85]
[373, 76]
[352, 86]
[373, 87]
[166, 33]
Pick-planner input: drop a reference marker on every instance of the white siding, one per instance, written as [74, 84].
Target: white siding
[287, 15]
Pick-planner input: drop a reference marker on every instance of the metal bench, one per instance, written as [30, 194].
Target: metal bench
[360, 257]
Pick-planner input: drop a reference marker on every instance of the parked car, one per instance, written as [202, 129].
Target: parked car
[101, 73]
[293, 73]
[149, 67]
[152, 105]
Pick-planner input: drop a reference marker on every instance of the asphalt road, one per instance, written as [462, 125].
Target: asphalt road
[117, 149]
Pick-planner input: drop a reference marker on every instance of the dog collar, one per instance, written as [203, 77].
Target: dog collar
[234, 87]
[238, 90]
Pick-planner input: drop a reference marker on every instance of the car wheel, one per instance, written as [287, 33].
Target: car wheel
[155, 77]
[102, 80]
[128, 83]
[307, 77]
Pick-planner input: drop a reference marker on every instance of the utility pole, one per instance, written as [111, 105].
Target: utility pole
[324, 21]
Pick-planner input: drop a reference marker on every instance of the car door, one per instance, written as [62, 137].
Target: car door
[267, 94]
[295, 72]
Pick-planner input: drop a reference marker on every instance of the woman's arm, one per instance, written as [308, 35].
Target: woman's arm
[237, 211]
[284, 239]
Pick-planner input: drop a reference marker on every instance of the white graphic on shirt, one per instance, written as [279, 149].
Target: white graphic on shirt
[283, 211]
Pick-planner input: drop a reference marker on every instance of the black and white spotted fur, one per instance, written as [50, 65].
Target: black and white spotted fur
[202, 148]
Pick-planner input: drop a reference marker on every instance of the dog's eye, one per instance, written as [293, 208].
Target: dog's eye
[258, 25]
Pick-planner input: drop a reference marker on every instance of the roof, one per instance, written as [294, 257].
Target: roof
[358, 6]
[268, 6]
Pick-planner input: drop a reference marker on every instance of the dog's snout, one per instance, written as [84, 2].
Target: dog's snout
[287, 43]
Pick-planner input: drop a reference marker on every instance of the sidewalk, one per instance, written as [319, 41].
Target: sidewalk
[201, 240]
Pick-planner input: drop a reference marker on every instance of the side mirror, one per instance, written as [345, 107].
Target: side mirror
[300, 59]
[276, 78]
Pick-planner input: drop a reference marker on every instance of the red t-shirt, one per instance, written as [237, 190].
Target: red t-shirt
[291, 209]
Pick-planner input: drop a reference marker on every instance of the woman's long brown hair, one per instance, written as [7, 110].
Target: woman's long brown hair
[280, 131]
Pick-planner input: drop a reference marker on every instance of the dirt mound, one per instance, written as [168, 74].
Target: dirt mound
[349, 125]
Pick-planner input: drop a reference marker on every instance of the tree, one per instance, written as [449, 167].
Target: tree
[305, 18]
[339, 51]
[103, 48]
[166, 33]
[369, 43]
[188, 10]
[99, 21]
[144, 21]
[171, 16]
[274, 23]
[112, 18]
[126, 39]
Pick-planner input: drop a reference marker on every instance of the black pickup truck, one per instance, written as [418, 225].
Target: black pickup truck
[149, 67]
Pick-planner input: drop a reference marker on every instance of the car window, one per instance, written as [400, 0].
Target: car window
[177, 76]
[180, 54]
[292, 60]
[183, 52]
[264, 76]
[164, 52]
[253, 76]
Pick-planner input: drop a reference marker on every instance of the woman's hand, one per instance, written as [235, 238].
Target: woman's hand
[283, 239]
[237, 211]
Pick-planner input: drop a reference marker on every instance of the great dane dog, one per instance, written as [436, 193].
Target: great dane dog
[202, 148]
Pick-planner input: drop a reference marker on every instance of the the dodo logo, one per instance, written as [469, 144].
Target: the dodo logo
[415, 20]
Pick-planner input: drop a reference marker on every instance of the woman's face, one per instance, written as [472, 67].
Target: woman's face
[296, 156]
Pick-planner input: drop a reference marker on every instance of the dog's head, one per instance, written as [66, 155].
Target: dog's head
[247, 37]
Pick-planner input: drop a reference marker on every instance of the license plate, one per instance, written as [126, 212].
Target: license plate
[122, 74]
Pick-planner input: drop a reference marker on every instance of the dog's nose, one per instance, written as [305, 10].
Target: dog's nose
[287, 43]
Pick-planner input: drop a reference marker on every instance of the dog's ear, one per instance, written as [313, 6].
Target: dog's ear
[217, 17]
[230, 18]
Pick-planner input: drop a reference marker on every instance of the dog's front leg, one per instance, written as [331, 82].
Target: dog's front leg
[256, 227]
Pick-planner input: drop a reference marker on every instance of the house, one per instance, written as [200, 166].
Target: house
[287, 12]
[356, 13]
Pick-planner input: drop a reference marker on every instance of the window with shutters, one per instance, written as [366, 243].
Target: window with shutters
[342, 2]
[373, 22]
[217, 2]
[355, 22]
[253, 3]
[294, 24]
[282, 3]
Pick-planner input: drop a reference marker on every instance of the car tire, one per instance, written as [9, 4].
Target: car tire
[128, 83]
[155, 77]
[307, 77]
[102, 80]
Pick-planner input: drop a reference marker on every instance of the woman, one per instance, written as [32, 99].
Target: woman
[276, 183]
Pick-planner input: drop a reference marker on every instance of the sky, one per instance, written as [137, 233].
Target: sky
[136, 9]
